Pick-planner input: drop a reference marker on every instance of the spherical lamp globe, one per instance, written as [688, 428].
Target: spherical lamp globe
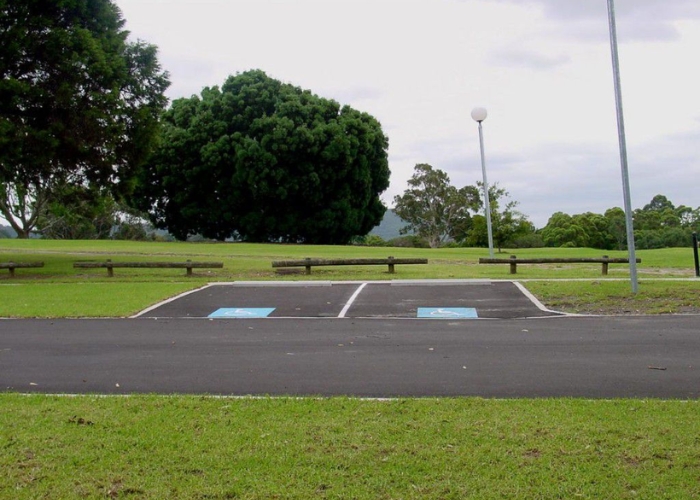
[479, 114]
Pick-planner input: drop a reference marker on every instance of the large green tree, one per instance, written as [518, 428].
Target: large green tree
[507, 223]
[262, 160]
[433, 208]
[79, 103]
[617, 227]
[562, 230]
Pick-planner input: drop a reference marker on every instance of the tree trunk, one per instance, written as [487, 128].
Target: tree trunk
[20, 206]
[20, 229]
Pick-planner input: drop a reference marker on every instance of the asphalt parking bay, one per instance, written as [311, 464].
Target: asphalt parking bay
[446, 299]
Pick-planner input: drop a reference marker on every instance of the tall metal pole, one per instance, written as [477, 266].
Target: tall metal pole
[487, 204]
[695, 254]
[623, 147]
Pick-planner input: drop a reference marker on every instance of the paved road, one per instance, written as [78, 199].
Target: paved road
[557, 356]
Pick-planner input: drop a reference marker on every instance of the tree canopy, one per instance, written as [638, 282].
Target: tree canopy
[508, 224]
[262, 160]
[440, 212]
[658, 224]
[79, 103]
[435, 209]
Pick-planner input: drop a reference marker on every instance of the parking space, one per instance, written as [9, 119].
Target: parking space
[396, 299]
[457, 300]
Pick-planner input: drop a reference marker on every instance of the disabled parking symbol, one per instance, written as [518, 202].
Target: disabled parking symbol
[447, 312]
[242, 312]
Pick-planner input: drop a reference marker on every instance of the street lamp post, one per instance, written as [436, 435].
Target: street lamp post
[479, 115]
[623, 147]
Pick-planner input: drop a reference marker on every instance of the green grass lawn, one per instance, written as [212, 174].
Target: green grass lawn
[154, 447]
[77, 300]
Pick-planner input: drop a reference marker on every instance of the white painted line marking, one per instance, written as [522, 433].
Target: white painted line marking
[352, 299]
[279, 284]
[534, 299]
[440, 282]
[168, 301]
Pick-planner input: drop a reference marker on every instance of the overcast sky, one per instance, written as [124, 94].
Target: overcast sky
[542, 68]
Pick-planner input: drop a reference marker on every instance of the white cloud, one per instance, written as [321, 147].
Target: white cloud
[517, 57]
[652, 20]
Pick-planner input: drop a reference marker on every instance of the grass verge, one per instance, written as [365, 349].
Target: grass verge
[78, 300]
[200, 447]
[615, 297]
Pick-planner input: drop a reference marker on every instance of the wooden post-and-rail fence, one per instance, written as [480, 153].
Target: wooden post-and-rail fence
[514, 261]
[308, 263]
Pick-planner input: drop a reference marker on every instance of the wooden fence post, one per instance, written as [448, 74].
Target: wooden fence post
[513, 265]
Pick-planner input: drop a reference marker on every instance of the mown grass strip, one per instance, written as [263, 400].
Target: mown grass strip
[89, 300]
[199, 447]
[614, 297]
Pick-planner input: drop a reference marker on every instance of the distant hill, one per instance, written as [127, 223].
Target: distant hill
[390, 226]
[7, 232]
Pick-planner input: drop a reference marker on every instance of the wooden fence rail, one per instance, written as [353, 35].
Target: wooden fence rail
[11, 266]
[309, 263]
[110, 266]
[514, 261]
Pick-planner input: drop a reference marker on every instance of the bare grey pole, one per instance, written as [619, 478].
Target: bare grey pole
[623, 147]
[695, 254]
[479, 115]
[487, 203]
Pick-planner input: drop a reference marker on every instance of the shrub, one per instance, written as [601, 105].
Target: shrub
[372, 240]
[532, 240]
[410, 241]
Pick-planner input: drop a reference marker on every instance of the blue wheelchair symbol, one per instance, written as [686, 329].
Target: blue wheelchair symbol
[447, 312]
[242, 312]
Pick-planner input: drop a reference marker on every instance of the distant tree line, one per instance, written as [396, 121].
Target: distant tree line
[438, 214]
[658, 224]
